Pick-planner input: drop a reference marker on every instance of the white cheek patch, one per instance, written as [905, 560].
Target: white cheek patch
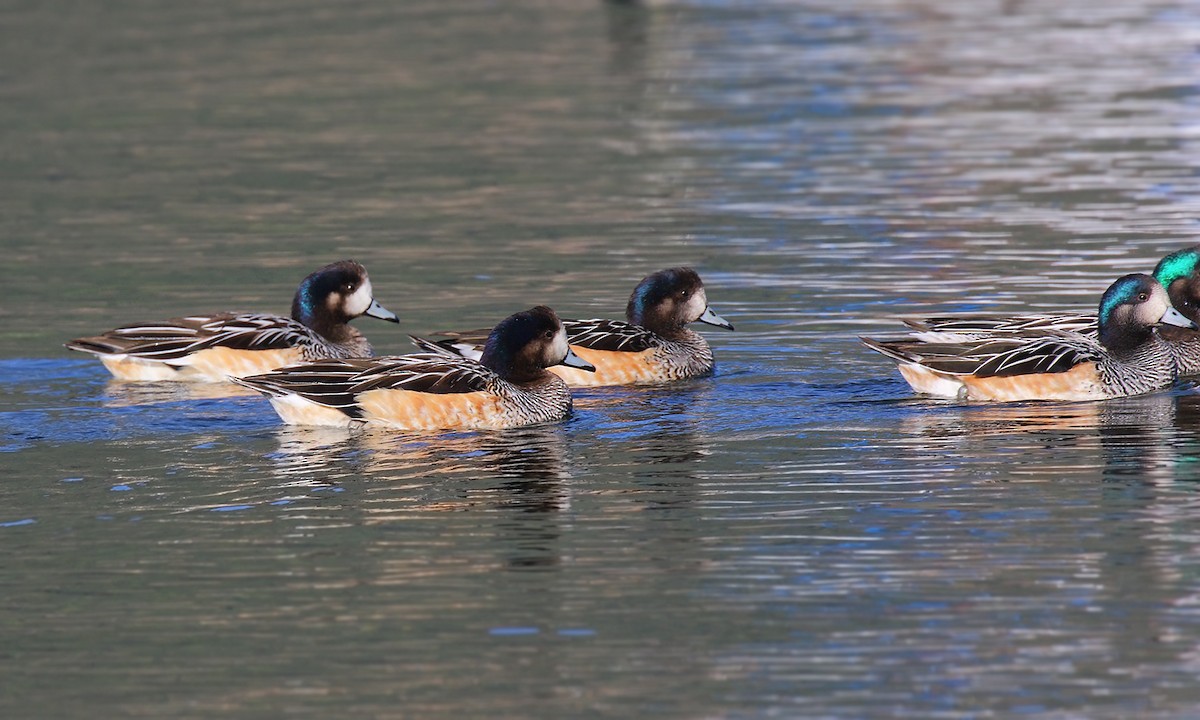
[357, 302]
[1154, 310]
[558, 350]
[696, 305]
[1151, 311]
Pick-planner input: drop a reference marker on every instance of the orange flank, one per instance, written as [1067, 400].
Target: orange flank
[1079, 383]
[213, 364]
[408, 410]
[402, 409]
[612, 368]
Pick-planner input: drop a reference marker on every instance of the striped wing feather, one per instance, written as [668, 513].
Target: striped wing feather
[328, 382]
[990, 325]
[427, 373]
[999, 357]
[610, 335]
[468, 345]
[337, 383]
[477, 337]
[595, 334]
[1048, 354]
[178, 337]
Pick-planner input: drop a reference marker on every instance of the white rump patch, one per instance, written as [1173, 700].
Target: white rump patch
[296, 410]
[124, 367]
[931, 382]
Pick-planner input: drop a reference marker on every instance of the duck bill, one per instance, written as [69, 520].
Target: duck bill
[378, 311]
[573, 360]
[1176, 318]
[711, 318]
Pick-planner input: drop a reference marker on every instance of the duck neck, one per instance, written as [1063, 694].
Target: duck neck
[510, 367]
[656, 323]
[1123, 341]
[676, 333]
[329, 325]
[684, 335]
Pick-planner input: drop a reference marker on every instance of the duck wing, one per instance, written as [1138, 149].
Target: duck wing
[465, 344]
[337, 383]
[595, 334]
[427, 373]
[178, 337]
[987, 325]
[995, 357]
[611, 335]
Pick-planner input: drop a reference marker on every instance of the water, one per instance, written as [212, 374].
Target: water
[798, 536]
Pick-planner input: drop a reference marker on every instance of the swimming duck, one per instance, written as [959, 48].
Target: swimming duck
[508, 387]
[1127, 357]
[212, 348]
[653, 345]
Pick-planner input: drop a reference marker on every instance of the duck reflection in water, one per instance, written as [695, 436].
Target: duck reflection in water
[536, 452]
[628, 39]
[120, 393]
[651, 422]
[1137, 438]
[515, 479]
[520, 481]
[1150, 501]
[1155, 442]
[647, 468]
[1133, 464]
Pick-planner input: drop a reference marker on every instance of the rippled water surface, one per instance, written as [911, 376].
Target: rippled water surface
[798, 536]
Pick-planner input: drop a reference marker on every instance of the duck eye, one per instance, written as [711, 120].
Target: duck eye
[549, 335]
[1143, 297]
[348, 287]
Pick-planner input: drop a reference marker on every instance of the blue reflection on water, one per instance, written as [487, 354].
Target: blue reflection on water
[102, 411]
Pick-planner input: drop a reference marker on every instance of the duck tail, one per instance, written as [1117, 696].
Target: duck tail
[892, 348]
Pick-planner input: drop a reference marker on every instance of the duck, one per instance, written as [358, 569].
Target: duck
[218, 346]
[1178, 272]
[1127, 356]
[508, 387]
[652, 345]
